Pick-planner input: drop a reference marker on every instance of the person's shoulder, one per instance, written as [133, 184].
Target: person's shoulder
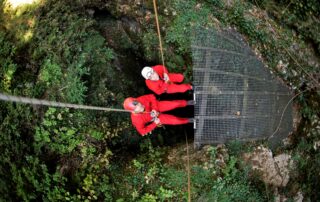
[135, 116]
[150, 95]
[145, 96]
[148, 81]
[158, 66]
[152, 84]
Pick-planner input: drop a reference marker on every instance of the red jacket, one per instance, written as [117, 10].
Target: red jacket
[159, 86]
[141, 120]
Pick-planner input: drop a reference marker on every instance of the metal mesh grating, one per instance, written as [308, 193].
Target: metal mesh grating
[236, 96]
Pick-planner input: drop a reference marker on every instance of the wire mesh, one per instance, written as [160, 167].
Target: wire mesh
[236, 96]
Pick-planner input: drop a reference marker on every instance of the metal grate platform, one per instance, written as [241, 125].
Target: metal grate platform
[236, 96]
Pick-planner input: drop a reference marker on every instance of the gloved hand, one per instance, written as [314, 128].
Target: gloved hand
[166, 77]
[157, 121]
[154, 113]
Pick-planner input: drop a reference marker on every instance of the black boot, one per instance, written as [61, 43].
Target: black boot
[190, 102]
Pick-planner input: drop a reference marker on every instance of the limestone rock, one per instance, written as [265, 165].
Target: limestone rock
[274, 170]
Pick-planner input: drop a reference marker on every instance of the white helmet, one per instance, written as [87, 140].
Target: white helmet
[146, 72]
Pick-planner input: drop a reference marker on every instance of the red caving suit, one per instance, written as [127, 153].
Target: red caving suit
[161, 86]
[143, 121]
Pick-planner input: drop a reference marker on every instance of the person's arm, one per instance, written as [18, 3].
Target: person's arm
[142, 128]
[151, 99]
[158, 87]
[160, 69]
[165, 73]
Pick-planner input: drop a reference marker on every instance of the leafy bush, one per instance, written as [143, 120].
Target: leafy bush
[147, 178]
[188, 15]
[303, 10]
[43, 146]
[8, 67]
[246, 25]
[228, 183]
[53, 50]
[57, 132]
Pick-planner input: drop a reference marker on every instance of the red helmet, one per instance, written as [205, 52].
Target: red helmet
[130, 103]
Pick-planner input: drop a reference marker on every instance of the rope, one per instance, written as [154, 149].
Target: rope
[288, 52]
[33, 101]
[309, 75]
[286, 7]
[285, 108]
[188, 169]
[162, 58]
[298, 65]
[158, 29]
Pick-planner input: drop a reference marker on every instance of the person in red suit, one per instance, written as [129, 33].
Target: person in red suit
[147, 112]
[159, 80]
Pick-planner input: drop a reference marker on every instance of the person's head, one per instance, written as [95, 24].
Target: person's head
[149, 73]
[133, 105]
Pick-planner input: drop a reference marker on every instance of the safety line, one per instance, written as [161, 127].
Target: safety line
[297, 65]
[162, 58]
[158, 29]
[188, 169]
[288, 52]
[33, 101]
[285, 108]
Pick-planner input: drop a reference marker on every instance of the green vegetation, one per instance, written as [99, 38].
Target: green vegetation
[149, 177]
[50, 50]
[60, 50]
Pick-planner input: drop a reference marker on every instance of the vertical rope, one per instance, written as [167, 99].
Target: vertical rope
[188, 169]
[162, 58]
[158, 29]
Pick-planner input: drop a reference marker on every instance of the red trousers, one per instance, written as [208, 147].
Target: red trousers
[177, 88]
[160, 86]
[167, 119]
[143, 121]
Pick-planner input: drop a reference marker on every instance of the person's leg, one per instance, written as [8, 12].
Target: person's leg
[176, 78]
[167, 119]
[169, 105]
[178, 88]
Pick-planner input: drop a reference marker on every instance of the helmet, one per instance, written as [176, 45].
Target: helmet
[146, 72]
[129, 103]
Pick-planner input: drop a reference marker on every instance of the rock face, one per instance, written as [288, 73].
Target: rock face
[282, 198]
[274, 170]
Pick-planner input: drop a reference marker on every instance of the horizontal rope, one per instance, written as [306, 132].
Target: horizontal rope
[33, 101]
